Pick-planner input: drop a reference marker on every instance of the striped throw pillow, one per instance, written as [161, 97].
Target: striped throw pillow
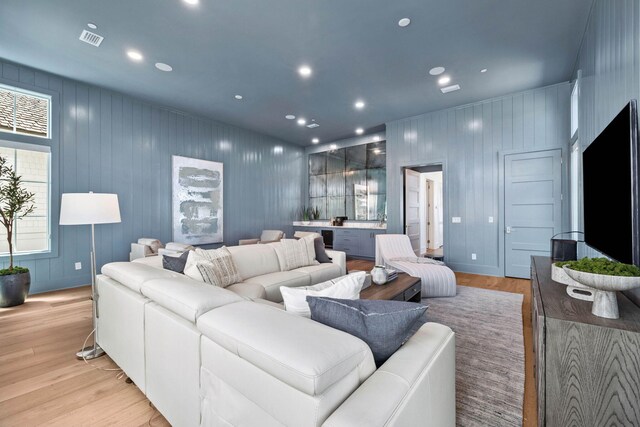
[214, 266]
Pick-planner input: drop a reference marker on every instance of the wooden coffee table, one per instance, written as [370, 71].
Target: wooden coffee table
[404, 288]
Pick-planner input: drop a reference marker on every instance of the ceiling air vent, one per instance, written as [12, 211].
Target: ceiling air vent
[450, 88]
[312, 125]
[91, 38]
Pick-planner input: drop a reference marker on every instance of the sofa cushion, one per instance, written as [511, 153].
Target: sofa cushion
[309, 356]
[134, 274]
[294, 253]
[322, 272]
[254, 260]
[272, 282]
[347, 287]
[151, 261]
[383, 325]
[187, 297]
[248, 290]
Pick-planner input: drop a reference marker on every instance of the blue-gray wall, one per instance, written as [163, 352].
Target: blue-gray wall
[105, 141]
[609, 64]
[468, 140]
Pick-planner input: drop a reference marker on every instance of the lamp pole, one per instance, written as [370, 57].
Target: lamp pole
[90, 209]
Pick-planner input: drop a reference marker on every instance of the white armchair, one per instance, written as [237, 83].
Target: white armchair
[145, 247]
[267, 236]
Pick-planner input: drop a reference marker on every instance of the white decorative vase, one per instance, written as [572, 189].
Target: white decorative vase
[605, 303]
[379, 275]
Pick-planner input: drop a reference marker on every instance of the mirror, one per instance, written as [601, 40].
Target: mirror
[349, 182]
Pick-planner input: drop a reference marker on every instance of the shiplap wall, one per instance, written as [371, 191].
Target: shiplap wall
[468, 141]
[609, 64]
[105, 141]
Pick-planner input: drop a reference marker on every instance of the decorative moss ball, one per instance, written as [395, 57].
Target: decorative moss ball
[16, 270]
[601, 266]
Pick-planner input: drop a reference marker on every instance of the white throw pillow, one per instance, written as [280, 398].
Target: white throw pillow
[214, 266]
[295, 253]
[345, 287]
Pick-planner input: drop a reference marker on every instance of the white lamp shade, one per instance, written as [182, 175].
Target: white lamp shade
[89, 208]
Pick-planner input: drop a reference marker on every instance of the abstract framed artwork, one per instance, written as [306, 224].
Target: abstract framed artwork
[197, 201]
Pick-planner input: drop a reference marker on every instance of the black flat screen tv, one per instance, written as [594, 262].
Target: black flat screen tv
[610, 184]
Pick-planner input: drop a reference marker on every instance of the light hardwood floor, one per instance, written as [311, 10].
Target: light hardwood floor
[41, 382]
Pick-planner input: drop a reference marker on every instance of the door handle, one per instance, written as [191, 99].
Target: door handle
[508, 230]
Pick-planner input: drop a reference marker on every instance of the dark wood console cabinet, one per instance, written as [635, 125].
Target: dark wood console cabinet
[587, 368]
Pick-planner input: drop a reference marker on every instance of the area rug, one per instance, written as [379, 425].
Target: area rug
[489, 354]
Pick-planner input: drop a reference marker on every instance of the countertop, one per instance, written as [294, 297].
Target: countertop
[348, 224]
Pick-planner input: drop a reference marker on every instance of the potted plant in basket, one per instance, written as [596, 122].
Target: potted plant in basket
[15, 203]
[605, 277]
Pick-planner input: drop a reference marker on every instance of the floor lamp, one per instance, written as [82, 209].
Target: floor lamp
[90, 209]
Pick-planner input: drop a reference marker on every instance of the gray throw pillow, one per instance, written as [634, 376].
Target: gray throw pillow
[383, 325]
[321, 252]
[175, 263]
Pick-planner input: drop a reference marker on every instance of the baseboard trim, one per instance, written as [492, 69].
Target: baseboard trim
[486, 270]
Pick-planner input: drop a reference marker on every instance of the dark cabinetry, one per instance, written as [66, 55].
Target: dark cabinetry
[355, 242]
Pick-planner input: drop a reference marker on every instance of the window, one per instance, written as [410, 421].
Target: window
[575, 186]
[32, 163]
[24, 112]
[574, 108]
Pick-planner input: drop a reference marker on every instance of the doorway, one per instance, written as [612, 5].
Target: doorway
[431, 215]
[424, 209]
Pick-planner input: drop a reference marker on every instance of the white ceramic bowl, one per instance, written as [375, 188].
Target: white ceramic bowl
[603, 282]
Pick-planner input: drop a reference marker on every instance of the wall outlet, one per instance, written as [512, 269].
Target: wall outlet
[456, 220]
[78, 266]
[473, 257]
[490, 220]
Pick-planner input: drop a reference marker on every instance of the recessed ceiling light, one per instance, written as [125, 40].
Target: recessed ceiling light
[376, 138]
[289, 117]
[315, 140]
[444, 80]
[436, 71]
[238, 97]
[301, 121]
[484, 70]
[359, 104]
[359, 131]
[404, 22]
[376, 151]
[451, 88]
[92, 26]
[305, 71]
[192, 2]
[135, 55]
[333, 146]
[164, 67]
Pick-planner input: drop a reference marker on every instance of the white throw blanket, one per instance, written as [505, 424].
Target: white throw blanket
[394, 250]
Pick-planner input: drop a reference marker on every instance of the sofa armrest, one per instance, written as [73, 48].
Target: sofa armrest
[339, 258]
[416, 384]
[248, 242]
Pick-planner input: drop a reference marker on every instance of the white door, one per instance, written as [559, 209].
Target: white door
[431, 218]
[412, 208]
[532, 207]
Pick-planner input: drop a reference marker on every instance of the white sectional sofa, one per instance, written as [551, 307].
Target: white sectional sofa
[207, 356]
